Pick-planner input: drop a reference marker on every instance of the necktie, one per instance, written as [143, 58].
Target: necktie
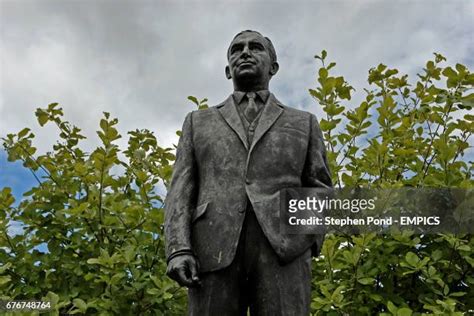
[251, 111]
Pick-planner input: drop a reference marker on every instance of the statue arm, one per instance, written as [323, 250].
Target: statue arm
[180, 200]
[316, 171]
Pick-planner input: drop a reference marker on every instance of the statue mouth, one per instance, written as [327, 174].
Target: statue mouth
[246, 63]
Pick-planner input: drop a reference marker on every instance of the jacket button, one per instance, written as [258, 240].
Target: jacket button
[247, 181]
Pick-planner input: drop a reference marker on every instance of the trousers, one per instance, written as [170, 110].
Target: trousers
[255, 281]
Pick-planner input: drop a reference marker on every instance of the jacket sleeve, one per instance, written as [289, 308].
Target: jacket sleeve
[181, 198]
[316, 171]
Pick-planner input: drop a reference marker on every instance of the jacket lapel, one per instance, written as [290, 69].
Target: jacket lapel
[230, 115]
[270, 114]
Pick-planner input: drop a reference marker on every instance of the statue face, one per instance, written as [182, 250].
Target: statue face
[249, 58]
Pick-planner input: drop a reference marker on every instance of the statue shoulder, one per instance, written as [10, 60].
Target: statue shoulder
[291, 110]
[197, 116]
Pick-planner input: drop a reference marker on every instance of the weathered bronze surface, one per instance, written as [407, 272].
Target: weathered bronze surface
[222, 225]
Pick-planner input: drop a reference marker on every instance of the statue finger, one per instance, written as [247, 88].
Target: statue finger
[183, 278]
[194, 272]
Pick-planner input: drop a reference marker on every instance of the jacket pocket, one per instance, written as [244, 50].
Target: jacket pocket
[199, 211]
[292, 127]
[289, 131]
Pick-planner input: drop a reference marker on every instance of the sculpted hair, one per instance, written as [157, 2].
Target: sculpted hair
[271, 48]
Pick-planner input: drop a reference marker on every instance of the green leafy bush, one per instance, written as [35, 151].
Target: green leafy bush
[400, 135]
[100, 214]
[100, 217]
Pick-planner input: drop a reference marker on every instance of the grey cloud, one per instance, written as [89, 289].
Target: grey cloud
[139, 60]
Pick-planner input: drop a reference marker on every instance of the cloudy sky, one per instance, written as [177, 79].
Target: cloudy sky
[139, 60]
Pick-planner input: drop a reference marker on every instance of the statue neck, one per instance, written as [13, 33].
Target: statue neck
[250, 86]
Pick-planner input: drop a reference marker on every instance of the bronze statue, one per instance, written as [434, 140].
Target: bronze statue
[222, 225]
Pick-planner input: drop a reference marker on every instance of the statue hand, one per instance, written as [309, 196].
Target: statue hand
[184, 270]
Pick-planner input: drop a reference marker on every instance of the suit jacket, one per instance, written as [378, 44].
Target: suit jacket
[217, 172]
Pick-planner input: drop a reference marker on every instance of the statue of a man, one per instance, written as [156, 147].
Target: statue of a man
[222, 224]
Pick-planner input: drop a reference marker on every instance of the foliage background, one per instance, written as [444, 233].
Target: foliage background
[100, 215]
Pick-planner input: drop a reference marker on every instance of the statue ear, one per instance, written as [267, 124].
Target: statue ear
[274, 68]
[227, 72]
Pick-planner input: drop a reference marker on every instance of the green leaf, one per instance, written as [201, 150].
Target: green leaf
[193, 99]
[94, 261]
[323, 54]
[42, 116]
[153, 291]
[439, 58]
[323, 73]
[327, 125]
[449, 72]
[80, 304]
[23, 132]
[412, 259]
[366, 281]
[5, 267]
[392, 308]
[4, 279]
[51, 297]
[404, 311]
[419, 131]
[464, 248]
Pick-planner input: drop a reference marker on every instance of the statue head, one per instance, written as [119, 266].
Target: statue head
[252, 61]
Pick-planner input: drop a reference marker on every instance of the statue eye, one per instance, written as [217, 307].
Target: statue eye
[235, 49]
[256, 46]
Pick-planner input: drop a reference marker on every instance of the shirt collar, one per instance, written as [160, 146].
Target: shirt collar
[262, 94]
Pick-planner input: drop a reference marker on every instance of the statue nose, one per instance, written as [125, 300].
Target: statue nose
[245, 51]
